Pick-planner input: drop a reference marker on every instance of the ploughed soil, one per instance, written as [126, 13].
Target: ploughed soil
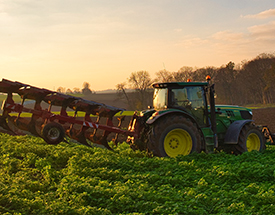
[265, 116]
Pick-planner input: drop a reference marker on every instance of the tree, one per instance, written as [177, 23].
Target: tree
[259, 76]
[201, 73]
[183, 74]
[246, 83]
[61, 90]
[230, 65]
[164, 76]
[225, 82]
[68, 91]
[141, 82]
[76, 90]
[86, 89]
[121, 89]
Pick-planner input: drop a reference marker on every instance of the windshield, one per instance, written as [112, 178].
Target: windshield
[160, 98]
[191, 99]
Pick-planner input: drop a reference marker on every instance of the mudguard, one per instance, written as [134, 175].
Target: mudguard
[153, 118]
[233, 131]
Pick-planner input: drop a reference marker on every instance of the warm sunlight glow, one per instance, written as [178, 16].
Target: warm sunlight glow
[55, 44]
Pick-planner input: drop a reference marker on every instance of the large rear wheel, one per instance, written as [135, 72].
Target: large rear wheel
[250, 139]
[174, 135]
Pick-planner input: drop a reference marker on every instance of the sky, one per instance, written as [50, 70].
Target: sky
[64, 43]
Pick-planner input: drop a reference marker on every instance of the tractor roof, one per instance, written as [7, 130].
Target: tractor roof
[178, 84]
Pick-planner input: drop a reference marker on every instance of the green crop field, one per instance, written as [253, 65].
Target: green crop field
[36, 178]
[16, 98]
[257, 106]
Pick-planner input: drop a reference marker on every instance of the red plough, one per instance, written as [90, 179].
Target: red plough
[54, 127]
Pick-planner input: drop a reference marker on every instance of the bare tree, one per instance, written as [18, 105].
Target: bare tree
[121, 89]
[183, 74]
[163, 76]
[141, 82]
[61, 89]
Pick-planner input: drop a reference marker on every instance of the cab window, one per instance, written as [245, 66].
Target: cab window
[160, 98]
[191, 99]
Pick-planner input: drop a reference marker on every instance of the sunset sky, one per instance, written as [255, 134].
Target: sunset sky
[55, 43]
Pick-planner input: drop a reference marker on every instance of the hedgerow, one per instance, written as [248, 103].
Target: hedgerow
[36, 178]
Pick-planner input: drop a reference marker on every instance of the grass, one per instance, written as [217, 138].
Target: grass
[16, 98]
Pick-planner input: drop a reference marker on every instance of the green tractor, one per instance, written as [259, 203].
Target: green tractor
[185, 119]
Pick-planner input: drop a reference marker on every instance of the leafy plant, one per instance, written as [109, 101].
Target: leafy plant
[36, 178]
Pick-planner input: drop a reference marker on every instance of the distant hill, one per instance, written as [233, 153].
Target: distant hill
[105, 91]
[112, 91]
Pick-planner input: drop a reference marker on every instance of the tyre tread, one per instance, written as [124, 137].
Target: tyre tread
[162, 124]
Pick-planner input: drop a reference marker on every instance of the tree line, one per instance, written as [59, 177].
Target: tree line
[86, 90]
[250, 82]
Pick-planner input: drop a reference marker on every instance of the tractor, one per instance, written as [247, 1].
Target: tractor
[184, 119]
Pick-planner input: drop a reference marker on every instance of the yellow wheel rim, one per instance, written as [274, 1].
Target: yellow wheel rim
[177, 142]
[253, 142]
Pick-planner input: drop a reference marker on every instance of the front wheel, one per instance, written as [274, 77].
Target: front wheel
[53, 133]
[250, 139]
[174, 135]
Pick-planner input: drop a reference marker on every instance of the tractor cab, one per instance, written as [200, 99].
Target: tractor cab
[189, 97]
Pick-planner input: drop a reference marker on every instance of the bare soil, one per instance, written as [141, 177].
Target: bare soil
[265, 116]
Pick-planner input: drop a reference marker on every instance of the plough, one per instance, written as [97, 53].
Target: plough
[52, 127]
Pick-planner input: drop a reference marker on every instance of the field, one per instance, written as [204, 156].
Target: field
[4, 96]
[37, 178]
[265, 116]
